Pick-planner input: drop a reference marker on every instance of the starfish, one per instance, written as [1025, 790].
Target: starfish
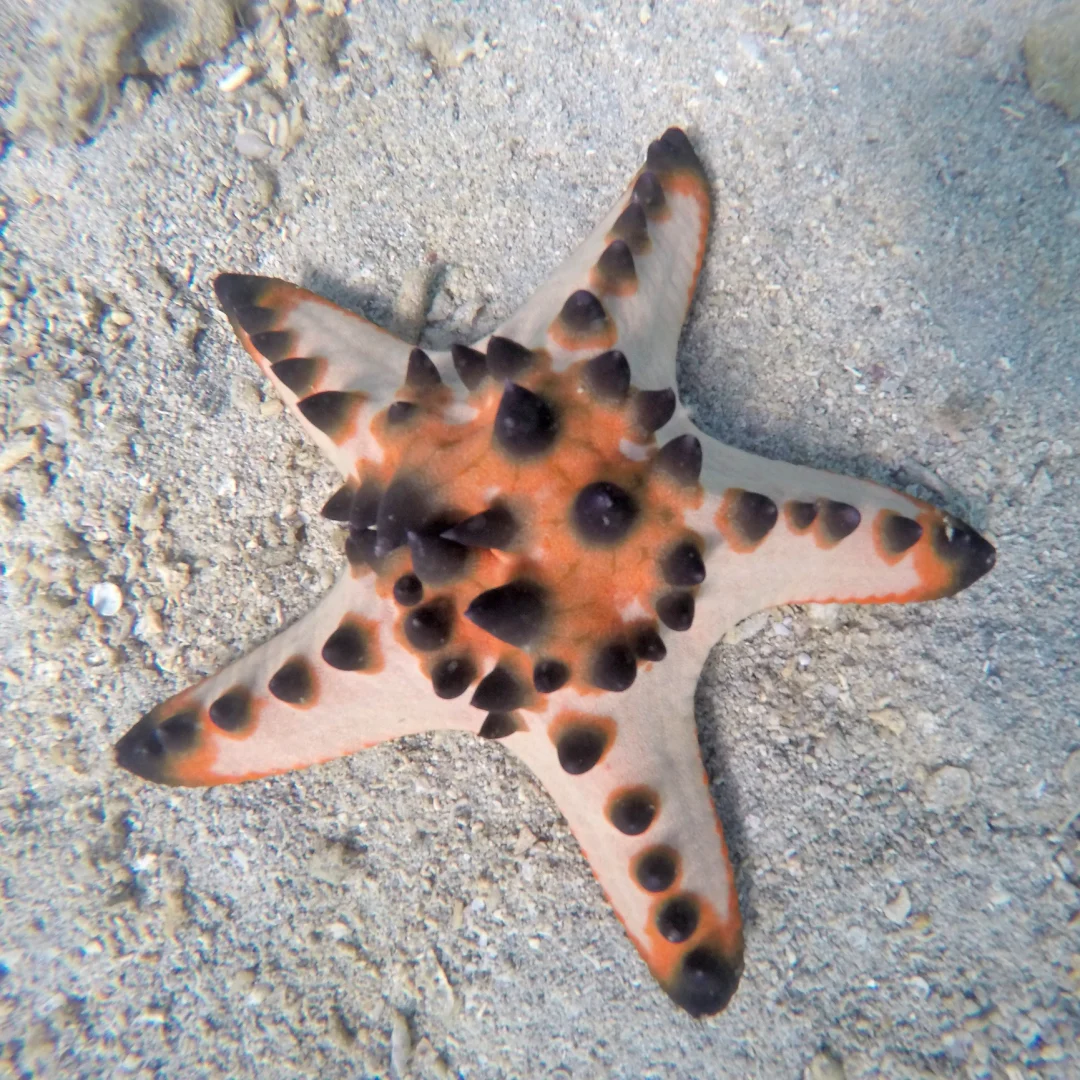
[542, 550]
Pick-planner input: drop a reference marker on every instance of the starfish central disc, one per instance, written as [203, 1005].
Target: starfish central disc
[539, 520]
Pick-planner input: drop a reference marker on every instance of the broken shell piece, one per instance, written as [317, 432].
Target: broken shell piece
[280, 130]
[268, 29]
[253, 144]
[296, 125]
[898, 909]
[105, 599]
[235, 79]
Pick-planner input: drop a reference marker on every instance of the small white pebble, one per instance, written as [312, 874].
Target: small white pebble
[105, 599]
[253, 144]
[898, 909]
[750, 46]
[401, 1047]
[279, 130]
[235, 79]
[824, 1067]
[525, 840]
[948, 788]
[721, 77]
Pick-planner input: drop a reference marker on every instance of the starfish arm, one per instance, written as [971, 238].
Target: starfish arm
[629, 285]
[626, 772]
[336, 681]
[333, 369]
[776, 533]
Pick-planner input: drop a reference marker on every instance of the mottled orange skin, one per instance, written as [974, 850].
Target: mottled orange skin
[590, 587]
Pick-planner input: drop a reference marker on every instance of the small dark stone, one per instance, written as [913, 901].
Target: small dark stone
[649, 193]
[435, 559]
[705, 982]
[346, 648]
[649, 645]
[507, 359]
[491, 528]
[453, 676]
[525, 425]
[365, 506]
[604, 513]
[299, 374]
[399, 413]
[614, 667]
[580, 747]
[899, 533]
[634, 811]
[681, 459]
[676, 610]
[656, 869]
[498, 690]
[470, 365]
[583, 314]
[339, 506]
[408, 590]
[421, 372]
[615, 269]
[632, 227]
[683, 565]
[232, 710]
[498, 725]
[678, 919]
[838, 520]
[330, 411]
[514, 613]
[404, 507]
[608, 375]
[654, 408]
[550, 675]
[292, 682]
[801, 514]
[275, 345]
[429, 627]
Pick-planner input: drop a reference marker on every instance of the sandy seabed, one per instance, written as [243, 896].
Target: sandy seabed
[892, 289]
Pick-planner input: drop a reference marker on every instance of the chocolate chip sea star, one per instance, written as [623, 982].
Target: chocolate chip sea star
[542, 549]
